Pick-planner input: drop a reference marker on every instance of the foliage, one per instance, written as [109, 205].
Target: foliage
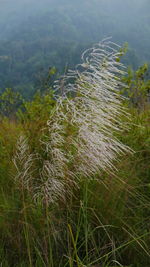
[138, 86]
[104, 222]
[10, 102]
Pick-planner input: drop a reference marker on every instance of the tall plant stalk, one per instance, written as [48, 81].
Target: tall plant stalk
[81, 139]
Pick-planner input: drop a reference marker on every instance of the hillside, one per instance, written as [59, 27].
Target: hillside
[35, 36]
[74, 169]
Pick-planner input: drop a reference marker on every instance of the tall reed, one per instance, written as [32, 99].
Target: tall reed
[76, 220]
[81, 140]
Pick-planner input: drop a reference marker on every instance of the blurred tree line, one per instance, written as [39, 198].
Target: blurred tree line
[54, 33]
[13, 105]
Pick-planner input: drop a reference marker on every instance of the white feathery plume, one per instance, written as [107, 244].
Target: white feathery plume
[23, 162]
[49, 188]
[81, 139]
[83, 127]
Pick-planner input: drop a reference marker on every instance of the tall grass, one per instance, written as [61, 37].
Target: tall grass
[81, 131]
[62, 202]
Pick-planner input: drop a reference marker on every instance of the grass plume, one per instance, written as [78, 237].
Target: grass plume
[81, 139]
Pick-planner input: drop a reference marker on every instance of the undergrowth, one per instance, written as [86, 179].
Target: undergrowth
[103, 222]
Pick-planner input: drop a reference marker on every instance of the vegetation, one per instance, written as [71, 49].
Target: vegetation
[98, 218]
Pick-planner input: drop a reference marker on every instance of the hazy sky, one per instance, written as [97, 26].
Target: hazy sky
[110, 17]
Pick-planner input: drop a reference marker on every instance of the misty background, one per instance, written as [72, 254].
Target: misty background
[38, 35]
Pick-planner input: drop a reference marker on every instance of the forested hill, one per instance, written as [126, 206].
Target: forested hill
[36, 35]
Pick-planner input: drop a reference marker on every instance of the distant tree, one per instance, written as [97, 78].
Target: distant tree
[138, 86]
[10, 102]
